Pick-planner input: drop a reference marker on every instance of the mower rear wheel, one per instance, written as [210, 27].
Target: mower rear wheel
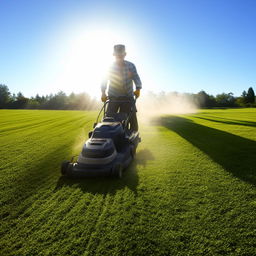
[133, 151]
[64, 167]
[117, 171]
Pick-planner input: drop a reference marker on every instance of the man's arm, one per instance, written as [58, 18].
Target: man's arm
[136, 78]
[104, 84]
[137, 82]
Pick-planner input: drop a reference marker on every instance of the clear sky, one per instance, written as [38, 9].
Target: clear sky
[177, 45]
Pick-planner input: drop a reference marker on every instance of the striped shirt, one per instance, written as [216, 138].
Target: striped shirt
[120, 80]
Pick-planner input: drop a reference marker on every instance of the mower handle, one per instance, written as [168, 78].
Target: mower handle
[121, 99]
[132, 99]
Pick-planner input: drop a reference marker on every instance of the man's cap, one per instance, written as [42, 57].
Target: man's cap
[119, 49]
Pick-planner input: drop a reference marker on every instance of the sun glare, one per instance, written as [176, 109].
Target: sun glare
[88, 59]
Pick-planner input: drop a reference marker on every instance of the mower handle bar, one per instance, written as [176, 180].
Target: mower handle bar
[133, 99]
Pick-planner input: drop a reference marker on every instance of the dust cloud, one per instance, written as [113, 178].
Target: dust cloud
[154, 105]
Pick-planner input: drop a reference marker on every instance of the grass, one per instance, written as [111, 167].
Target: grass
[190, 191]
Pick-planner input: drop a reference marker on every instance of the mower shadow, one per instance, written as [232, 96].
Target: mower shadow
[234, 153]
[229, 121]
[110, 185]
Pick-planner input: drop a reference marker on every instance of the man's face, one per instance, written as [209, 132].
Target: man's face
[119, 57]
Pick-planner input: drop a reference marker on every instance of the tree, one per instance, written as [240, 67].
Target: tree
[250, 95]
[33, 104]
[57, 101]
[225, 100]
[244, 98]
[4, 96]
[72, 101]
[20, 102]
[205, 100]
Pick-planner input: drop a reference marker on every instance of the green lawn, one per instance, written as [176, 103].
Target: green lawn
[190, 191]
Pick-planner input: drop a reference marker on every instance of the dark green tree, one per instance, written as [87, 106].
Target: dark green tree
[225, 100]
[57, 101]
[205, 100]
[243, 100]
[5, 96]
[20, 102]
[250, 95]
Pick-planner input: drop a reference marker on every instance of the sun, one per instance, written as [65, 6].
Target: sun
[89, 56]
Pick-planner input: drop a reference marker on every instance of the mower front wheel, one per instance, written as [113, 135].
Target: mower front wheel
[69, 169]
[64, 167]
[117, 171]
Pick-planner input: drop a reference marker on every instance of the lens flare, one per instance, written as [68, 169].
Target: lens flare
[87, 60]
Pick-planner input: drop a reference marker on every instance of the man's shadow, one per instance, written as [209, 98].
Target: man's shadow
[235, 154]
[110, 185]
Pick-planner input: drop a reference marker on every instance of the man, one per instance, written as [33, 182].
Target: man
[120, 78]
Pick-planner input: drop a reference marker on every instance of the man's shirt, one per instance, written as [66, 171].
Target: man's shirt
[120, 80]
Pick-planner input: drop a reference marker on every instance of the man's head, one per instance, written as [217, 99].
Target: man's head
[119, 52]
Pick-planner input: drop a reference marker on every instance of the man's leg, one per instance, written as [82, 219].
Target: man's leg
[126, 108]
[134, 122]
[112, 108]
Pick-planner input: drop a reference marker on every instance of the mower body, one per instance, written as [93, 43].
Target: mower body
[108, 151]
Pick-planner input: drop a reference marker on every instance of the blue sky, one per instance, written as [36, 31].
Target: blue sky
[181, 45]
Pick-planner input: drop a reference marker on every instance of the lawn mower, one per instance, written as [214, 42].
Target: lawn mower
[110, 148]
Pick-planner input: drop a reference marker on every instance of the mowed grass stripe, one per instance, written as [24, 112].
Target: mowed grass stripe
[176, 198]
[240, 122]
[31, 142]
[25, 118]
[67, 129]
[60, 227]
[35, 170]
[49, 124]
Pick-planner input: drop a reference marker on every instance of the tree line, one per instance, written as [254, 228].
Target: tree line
[80, 101]
[204, 100]
[83, 101]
